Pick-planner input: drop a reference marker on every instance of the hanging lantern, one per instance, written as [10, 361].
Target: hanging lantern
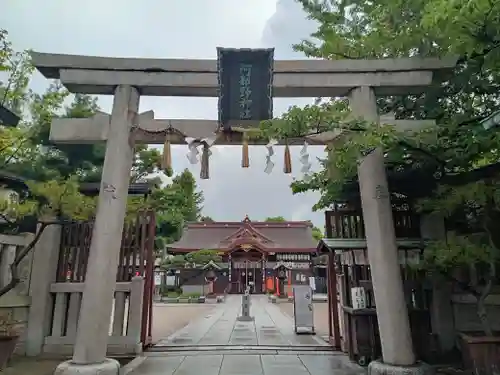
[210, 275]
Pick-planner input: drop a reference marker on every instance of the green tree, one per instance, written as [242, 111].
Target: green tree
[317, 234]
[452, 168]
[27, 151]
[52, 202]
[403, 29]
[174, 205]
[276, 219]
[207, 219]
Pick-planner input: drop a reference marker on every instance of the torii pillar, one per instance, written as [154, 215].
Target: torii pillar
[392, 312]
[89, 356]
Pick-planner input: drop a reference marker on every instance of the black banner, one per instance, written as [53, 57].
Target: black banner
[245, 86]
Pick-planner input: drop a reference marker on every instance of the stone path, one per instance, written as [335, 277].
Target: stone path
[249, 364]
[218, 344]
[220, 328]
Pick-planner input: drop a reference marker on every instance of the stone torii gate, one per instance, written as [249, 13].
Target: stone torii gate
[128, 78]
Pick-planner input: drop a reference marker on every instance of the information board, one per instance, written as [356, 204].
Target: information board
[303, 310]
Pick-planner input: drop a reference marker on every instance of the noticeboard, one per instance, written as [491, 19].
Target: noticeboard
[303, 309]
[245, 78]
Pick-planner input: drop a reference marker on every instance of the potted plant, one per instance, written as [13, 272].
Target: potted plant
[8, 339]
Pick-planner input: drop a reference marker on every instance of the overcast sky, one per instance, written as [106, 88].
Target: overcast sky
[183, 29]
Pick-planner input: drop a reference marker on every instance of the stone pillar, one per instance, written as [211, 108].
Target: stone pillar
[43, 274]
[89, 356]
[392, 312]
[245, 308]
[432, 227]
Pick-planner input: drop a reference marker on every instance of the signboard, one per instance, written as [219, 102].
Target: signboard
[245, 86]
[358, 298]
[312, 283]
[157, 279]
[290, 265]
[170, 280]
[303, 311]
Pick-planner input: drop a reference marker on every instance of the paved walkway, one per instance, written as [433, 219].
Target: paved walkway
[218, 344]
[220, 328]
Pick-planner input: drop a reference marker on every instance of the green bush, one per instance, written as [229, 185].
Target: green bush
[170, 293]
[191, 295]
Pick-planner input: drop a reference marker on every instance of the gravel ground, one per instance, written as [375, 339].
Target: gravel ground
[320, 315]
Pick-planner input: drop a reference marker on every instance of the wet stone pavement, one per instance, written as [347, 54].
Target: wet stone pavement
[219, 344]
[270, 327]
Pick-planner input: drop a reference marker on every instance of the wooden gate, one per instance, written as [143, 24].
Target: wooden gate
[136, 259]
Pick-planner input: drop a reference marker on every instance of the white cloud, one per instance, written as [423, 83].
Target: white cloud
[182, 29]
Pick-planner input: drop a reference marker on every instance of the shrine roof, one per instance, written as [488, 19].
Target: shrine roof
[290, 236]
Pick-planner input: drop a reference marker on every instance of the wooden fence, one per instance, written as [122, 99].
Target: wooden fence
[132, 306]
[350, 224]
[359, 327]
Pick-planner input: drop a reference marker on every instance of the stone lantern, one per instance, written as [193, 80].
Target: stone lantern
[210, 276]
[281, 271]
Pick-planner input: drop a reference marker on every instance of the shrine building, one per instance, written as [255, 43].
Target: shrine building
[252, 252]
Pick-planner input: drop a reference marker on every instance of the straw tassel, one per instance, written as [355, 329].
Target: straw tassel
[166, 162]
[245, 159]
[287, 167]
[204, 173]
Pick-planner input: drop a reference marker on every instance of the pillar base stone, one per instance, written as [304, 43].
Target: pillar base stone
[380, 368]
[245, 318]
[108, 367]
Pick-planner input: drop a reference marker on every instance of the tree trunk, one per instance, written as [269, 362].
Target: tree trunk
[14, 280]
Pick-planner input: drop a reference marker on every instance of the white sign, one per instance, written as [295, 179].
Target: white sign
[312, 283]
[358, 298]
[303, 309]
[170, 280]
[292, 265]
[157, 279]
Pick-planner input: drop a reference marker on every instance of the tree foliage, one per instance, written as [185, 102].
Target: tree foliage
[55, 171]
[452, 168]
[317, 234]
[275, 219]
[174, 205]
[197, 258]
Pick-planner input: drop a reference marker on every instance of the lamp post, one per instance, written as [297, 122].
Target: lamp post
[281, 274]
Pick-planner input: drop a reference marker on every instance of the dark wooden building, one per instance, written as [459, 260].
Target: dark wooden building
[251, 252]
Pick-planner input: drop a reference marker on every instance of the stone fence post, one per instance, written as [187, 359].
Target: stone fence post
[43, 274]
[135, 310]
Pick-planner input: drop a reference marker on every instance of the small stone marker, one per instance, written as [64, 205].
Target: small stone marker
[245, 308]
